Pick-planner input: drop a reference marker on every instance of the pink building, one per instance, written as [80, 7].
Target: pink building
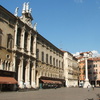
[93, 64]
[94, 70]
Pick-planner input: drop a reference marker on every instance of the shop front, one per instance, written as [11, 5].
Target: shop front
[50, 83]
[7, 81]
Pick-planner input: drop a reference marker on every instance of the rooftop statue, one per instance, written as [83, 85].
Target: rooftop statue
[27, 7]
[26, 14]
[24, 7]
[16, 11]
[30, 11]
[34, 27]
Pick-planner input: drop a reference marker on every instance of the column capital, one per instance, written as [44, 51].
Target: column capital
[17, 23]
[23, 29]
[28, 60]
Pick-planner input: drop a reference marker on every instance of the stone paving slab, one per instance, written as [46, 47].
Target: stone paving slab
[53, 94]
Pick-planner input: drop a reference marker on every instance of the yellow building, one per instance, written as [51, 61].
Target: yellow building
[25, 56]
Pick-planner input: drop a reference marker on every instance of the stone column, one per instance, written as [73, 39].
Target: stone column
[29, 42]
[4, 66]
[33, 83]
[0, 64]
[37, 79]
[86, 84]
[21, 73]
[15, 36]
[27, 74]
[34, 45]
[7, 66]
[11, 66]
[86, 70]
[22, 39]
[13, 61]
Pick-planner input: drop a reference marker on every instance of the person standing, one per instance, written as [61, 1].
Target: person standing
[93, 87]
[88, 87]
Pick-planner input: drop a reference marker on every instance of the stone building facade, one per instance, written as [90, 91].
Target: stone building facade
[49, 68]
[26, 56]
[18, 47]
[7, 68]
[94, 70]
[93, 64]
[71, 70]
[24, 51]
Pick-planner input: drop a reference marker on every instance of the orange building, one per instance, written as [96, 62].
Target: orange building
[93, 70]
[81, 70]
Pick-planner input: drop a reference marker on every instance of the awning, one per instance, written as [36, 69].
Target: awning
[7, 80]
[51, 81]
[59, 82]
[46, 81]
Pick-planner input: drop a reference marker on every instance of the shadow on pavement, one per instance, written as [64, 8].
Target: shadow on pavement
[98, 97]
[89, 99]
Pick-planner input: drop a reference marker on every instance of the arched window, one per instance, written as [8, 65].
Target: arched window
[9, 41]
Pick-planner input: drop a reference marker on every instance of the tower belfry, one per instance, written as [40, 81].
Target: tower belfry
[26, 14]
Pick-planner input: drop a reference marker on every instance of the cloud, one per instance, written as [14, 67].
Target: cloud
[76, 54]
[79, 1]
[95, 53]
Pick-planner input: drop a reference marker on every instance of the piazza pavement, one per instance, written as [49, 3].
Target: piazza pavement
[53, 94]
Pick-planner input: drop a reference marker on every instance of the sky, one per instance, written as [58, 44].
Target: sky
[71, 25]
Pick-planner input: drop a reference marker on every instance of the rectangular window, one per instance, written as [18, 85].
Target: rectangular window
[62, 65]
[54, 61]
[57, 62]
[1, 37]
[51, 60]
[18, 36]
[25, 40]
[32, 44]
[42, 57]
[37, 53]
[0, 40]
[47, 58]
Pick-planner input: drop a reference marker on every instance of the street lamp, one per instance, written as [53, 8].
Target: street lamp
[86, 56]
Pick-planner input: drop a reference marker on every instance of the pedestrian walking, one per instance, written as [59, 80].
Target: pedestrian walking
[93, 87]
[88, 87]
[55, 86]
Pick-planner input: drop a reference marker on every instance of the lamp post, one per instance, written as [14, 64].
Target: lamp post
[86, 83]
